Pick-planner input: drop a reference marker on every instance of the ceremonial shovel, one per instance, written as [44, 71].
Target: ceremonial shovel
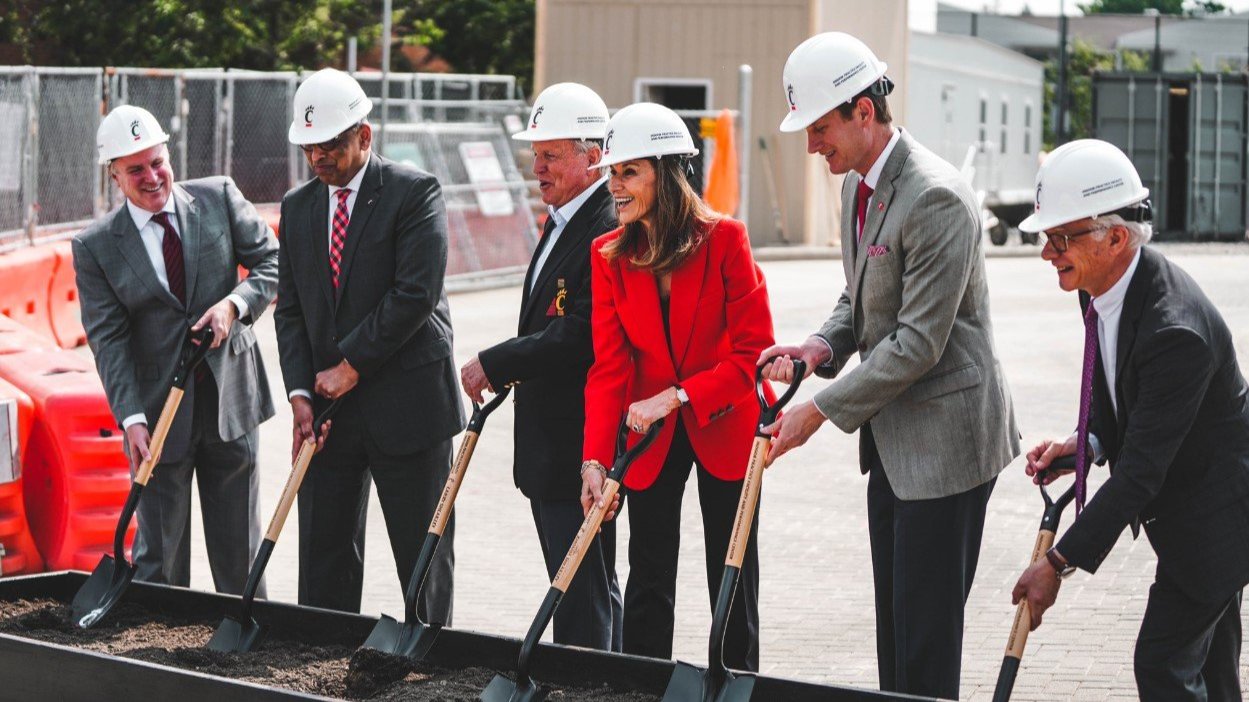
[241, 634]
[524, 689]
[1023, 615]
[718, 683]
[414, 637]
[112, 576]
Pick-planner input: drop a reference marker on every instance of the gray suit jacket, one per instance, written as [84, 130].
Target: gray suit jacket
[137, 328]
[917, 312]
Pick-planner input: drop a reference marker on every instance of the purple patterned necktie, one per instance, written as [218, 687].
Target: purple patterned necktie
[1086, 400]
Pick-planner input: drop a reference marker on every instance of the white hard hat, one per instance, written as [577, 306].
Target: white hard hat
[645, 130]
[1085, 178]
[824, 72]
[566, 111]
[126, 130]
[327, 104]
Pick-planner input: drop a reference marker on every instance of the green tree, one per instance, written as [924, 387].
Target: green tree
[475, 36]
[1131, 7]
[1083, 59]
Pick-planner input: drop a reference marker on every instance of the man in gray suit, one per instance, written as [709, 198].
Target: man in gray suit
[935, 414]
[165, 261]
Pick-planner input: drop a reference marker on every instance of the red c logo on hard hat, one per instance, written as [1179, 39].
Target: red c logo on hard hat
[134, 130]
[534, 123]
[607, 142]
[308, 116]
[789, 95]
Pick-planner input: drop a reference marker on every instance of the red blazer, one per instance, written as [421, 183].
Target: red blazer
[720, 323]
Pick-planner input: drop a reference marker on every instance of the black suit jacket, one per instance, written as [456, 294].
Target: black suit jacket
[1179, 445]
[550, 357]
[390, 318]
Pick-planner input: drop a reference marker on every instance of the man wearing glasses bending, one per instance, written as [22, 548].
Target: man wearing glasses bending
[1163, 400]
[362, 316]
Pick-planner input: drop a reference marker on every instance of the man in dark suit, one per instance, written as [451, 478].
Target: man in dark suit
[551, 354]
[362, 316]
[1164, 401]
[164, 261]
[916, 312]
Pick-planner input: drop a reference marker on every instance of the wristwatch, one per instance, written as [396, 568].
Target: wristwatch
[683, 396]
[1059, 564]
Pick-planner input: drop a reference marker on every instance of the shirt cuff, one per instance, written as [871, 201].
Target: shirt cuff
[831, 355]
[299, 393]
[133, 419]
[239, 304]
[1095, 444]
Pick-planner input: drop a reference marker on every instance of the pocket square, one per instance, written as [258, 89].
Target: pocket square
[877, 250]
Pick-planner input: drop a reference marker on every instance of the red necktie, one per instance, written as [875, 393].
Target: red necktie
[171, 247]
[339, 237]
[865, 193]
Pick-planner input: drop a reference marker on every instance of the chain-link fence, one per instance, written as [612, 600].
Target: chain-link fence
[234, 123]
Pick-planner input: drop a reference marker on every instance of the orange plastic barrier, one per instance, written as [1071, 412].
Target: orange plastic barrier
[20, 552]
[16, 337]
[25, 277]
[76, 474]
[64, 310]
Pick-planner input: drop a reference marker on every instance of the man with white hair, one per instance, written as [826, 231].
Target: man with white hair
[551, 354]
[165, 261]
[1163, 400]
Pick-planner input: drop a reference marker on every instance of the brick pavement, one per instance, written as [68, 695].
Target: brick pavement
[816, 595]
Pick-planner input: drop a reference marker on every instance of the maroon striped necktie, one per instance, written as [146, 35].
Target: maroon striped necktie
[339, 236]
[864, 194]
[171, 247]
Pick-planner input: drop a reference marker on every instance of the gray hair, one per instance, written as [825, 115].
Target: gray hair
[583, 146]
[1139, 233]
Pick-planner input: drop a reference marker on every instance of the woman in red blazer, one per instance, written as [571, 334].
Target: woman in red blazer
[680, 315]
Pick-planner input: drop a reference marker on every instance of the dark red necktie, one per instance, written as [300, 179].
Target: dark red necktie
[171, 247]
[864, 194]
[1083, 456]
[339, 237]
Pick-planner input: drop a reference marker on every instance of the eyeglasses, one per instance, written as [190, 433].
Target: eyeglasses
[1053, 238]
[331, 145]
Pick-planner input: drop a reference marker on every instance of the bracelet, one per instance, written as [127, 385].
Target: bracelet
[593, 464]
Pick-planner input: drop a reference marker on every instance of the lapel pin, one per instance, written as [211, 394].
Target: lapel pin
[880, 207]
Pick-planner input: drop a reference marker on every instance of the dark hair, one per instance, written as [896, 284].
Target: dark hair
[678, 223]
[883, 116]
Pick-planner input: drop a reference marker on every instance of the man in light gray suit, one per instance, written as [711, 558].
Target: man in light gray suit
[935, 414]
[165, 261]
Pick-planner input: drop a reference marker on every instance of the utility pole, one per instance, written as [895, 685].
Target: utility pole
[1060, 124]
[381, 132]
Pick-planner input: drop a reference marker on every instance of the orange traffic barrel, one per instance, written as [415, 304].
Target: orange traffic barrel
[76, 476]
[20, 555]
[64, 310]
[25, 276]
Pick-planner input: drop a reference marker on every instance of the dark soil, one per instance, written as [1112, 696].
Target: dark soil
[135, 632]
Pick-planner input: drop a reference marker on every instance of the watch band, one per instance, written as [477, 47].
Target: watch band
[1058, 563]
[683, 396]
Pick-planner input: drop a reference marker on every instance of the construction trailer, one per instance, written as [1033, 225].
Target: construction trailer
[1187, 134]
[688, 55]
[978, 105]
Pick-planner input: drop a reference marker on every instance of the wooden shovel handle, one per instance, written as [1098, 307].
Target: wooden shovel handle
[157, 445]
[746, 505]
[581, 544]
[442, 513]
[306, 451]
[1023, 614]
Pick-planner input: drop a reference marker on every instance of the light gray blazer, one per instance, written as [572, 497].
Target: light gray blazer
[137, 328]
[917, 313]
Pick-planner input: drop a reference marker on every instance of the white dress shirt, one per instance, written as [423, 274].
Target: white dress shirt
[1109, 306]
[561, 217]
[153, 236]
[354, 186]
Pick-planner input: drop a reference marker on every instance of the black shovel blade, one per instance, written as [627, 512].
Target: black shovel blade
[236, 636]
[100, 592]
[691, 684]
[503, 689]
[411, 639]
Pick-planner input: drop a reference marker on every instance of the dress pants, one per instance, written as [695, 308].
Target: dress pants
[924, 555]
[333, 506]
[228, 480]
[590, 613]
[654, 542]
[1188, 650]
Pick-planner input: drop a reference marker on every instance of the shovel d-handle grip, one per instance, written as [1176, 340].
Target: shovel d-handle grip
[625, 458]
[745, 518]
[481, 412]
[157, 445]
[299, 469]
[769, 412]
[198, 344]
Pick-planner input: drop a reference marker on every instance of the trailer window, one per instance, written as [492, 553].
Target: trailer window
[984, 118]
[1003, 150]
